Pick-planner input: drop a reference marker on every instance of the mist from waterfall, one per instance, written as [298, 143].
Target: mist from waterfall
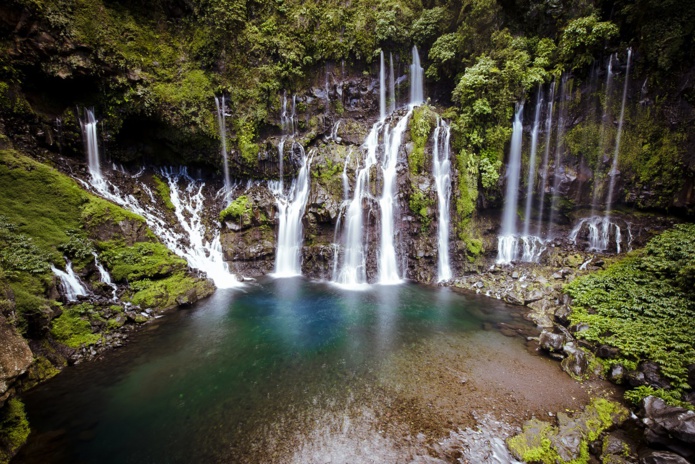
[441, 171]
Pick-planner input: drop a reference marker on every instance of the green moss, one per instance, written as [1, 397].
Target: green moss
[644, 305]
[533, 444]
[474, 247]
[237, 209]
[143, 260]
[420, 205]
[168, 292]
[72, 328]
[14, 428]
[164, 192]
[96, 212]
[421, 124]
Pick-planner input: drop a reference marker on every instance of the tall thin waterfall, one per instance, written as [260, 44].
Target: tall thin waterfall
[441, 170]
[353, 272]
[70, 283]
[531, 177]
[417, 82]
[382, 87]
[388, 265]
[290, 211]
[221, 115]
[602, 133]
[91, 142]
[614, 167]
[546, 156]
[559, 151]
[392, 86]
[507, 241]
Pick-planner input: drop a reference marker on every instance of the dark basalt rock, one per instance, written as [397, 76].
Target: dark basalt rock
[662, 457]
[669, 427]
[617, 374]
[648, 374]
[607, 352]
[551, 342]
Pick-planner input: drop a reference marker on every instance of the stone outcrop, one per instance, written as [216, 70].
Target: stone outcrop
[669, 427]
[15, 357]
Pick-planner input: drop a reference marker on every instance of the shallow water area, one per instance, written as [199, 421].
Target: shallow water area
[287, 370]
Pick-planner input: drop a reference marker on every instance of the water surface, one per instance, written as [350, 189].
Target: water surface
[252, 375]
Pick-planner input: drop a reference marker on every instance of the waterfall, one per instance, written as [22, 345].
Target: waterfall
[441, 170]
[392, 85]
[105, 276]
[200, 254]
[221, 115]
[290, 212]
[91, 142]
[70, 283]
[417, 92]
[382, 87]
[288, 120]
[559, 148]
[602, 133]
[346, 183]
[506, 244]
[616, 153]
[531, 177]
[546, 156]
[388, 266]
[353, 272]
[598, 230]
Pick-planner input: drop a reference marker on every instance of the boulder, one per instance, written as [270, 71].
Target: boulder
[551, 342]
[15, 357]
[670, 427]
[607, 352]
[617, 373]
[662, 457]
[577, 364]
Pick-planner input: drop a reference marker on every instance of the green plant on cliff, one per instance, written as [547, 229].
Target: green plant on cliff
[421, 205]
[73, 327]
[164, 192]
[421, 124]
[237, 209]
[644, 305]
[14, 428]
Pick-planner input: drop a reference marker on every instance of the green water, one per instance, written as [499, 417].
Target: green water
[240, 376]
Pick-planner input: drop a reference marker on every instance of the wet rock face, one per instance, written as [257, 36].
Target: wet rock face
[15, 357]
[662, 457]
[669, 427]
[551, 342]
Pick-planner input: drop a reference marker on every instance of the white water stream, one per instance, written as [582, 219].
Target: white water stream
[70, 283]
[441, 170]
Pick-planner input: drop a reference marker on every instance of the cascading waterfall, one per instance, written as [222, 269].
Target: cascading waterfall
[531, 177]
[105, 277]
[507, 241]
[614, 166]
[546, 157]
[91, 142]
[221, 115]
[559, 150]
[441, 170]
[604, 121]
[290, 212]
[392, 86]
[353, 272]
[70, 283]
[200, 254]
[598, 233]
[417, 81]
[388, 265]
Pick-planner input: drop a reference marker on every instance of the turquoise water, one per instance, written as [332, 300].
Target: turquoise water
[241, 376]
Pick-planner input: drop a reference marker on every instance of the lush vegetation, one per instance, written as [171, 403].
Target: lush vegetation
[14, 428]
[644, 305]
[60, 219]
[237, 209]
